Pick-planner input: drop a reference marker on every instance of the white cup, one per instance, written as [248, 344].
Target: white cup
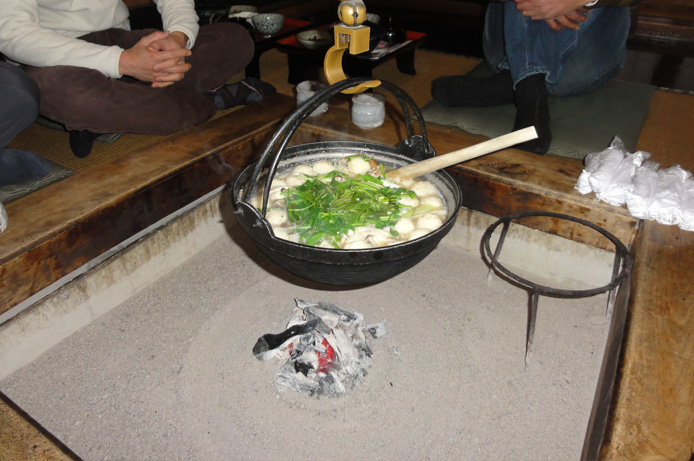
[307, 89]
[368, 110]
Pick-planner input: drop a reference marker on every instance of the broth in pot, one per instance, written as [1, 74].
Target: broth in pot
[346, 203]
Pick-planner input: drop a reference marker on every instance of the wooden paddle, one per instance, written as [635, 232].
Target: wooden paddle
[452, 158]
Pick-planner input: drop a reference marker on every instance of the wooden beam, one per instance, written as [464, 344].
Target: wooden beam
[652, 416]
[649, 411]
[91, 214]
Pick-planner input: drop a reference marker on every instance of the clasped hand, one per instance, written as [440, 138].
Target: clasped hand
[158, 58]
[558, 14]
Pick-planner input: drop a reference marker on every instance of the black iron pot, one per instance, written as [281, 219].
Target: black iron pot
[336, 266]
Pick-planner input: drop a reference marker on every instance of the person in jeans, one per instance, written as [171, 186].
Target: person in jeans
[96, 76]
[19, 108]
[537, 48]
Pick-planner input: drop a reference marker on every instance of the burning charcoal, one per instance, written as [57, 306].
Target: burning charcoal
[303, 368]
[324, 348]
[266, 344]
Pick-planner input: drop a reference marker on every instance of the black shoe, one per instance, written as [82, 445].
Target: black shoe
[247, 91]
[254, 90]
[532, 109]
[81, 142]
[465, 91]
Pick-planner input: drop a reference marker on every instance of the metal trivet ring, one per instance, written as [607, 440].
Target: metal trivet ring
[620, 269]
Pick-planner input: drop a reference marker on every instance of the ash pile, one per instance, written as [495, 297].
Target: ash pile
[324, 351]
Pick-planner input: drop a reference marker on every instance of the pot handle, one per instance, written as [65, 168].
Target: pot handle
[417, 147]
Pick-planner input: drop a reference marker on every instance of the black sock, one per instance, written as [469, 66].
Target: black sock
[532, 109]
[81, 142]
[465, 91]
[247, 91]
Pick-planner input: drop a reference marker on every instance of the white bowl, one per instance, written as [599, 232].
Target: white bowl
[315, 39]
[243, 11]
[268, 23]
[243, 15]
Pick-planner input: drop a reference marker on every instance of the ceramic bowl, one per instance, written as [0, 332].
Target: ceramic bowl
[243, 15]
[268, 23]
[246, 10]
[315, 39]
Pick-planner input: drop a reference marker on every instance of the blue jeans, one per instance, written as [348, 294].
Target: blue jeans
[19, 102]
[573, 61]
[19, 107]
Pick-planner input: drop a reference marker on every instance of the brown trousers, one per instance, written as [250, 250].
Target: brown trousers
[82, 98]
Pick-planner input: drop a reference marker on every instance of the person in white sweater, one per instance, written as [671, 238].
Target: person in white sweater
[95, 75]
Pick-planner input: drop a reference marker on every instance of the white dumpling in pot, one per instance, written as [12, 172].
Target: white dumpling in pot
[404, 226]
[424, 188]
[432, 201]
[285, 234]
[323, 167]
[276, 216]
[277, 195]
[378, 237]
[358, 165]
[411, 202]
[429, 222]
[280, 233]
[303, 170]
[295, 180]
[404, 182]
[417, 233]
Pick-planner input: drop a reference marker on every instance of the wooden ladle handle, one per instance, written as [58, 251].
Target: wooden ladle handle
[452, 158]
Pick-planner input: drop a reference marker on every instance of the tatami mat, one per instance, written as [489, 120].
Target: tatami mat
[54, 145]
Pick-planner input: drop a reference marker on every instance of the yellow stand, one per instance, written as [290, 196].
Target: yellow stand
[356, 40]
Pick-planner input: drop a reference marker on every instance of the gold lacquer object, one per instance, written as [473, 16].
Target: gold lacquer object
[350, 35]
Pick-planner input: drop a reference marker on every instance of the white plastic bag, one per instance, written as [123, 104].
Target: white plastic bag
[688, 206]
[641, 194]
[596, 161]
[617, 177]
[667, 200]
[609, 174]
